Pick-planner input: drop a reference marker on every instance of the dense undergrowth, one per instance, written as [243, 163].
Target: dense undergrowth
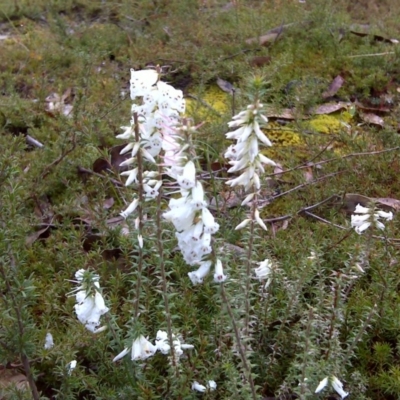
[332, 306]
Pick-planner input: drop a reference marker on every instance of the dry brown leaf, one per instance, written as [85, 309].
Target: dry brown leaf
[284, 113]
[372, 119]
[388, 203]
[226, 86]
[108, 203]
[329, 108]
[10, 379]
[336, 84]
[260, 61]
[351, 200]
[365, 30]
[42, 233]
[264, 40]
[308, 174]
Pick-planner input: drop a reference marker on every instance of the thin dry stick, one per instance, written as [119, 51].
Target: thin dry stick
[140, 216]
[160, 247]
[307, 183]
[248, 271]
[60, 158]
[372, 54]
[368, 153]
[239, 343]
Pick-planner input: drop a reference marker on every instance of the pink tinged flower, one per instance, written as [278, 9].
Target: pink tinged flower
[322, 385]
[188, 178]
[196, 386]
[198, 276]
[259, 220]
[131, 208]
[219, 276]
[142, 349]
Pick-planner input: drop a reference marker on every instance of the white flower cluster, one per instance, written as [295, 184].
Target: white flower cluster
[160, 107]
[245, 155]
[142, 348]
[263, 272]
[89, 306]
[189, 214]
[364, 217]
[211, 386]
[336, 385]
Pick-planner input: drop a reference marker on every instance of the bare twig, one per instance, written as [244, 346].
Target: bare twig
[369, 153]
[372, 54]
[61, 157]
[307, 183]
[90, 172]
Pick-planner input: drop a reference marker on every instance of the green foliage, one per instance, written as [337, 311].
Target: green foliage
[332, 307]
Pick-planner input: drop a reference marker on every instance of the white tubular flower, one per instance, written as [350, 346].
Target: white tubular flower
[322, 385]
[122, 354]
[263, 272]
[188, 178]
[142, 82]
[198, 276]
[364, 217]
[49, 342]
[259, 220]
[131, 208]
[246, 153]
[338, 387]
[162, 344]
[142, 349]
[243, 224]
[264, 269]
[71, 366]
[198, 388]
[219, 276]
[90, 306]
[212, 385]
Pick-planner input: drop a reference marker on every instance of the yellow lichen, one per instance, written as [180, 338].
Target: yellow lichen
[332, 123]
[209, 106]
